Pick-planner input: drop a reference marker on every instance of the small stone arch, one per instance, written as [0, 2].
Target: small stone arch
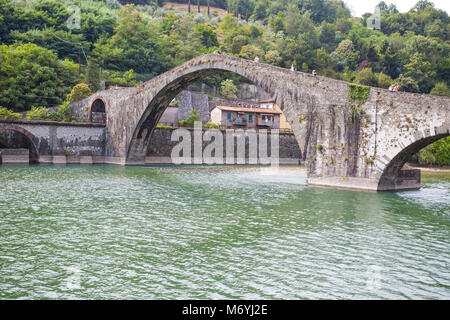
[392, 173]
[97, 111]
[27, 140]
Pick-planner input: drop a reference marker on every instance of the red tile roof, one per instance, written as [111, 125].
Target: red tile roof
[248, 110]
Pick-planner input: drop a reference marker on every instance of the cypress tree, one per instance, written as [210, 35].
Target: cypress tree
[92, 77]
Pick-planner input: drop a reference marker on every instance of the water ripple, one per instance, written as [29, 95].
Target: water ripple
[104, 232]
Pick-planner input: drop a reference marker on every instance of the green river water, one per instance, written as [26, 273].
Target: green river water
[107, 232]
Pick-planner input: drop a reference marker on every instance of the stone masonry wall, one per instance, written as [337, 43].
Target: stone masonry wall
[161, 146]
[53, 142]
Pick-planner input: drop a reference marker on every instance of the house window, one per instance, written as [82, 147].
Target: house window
[229, 116]
[250, 117]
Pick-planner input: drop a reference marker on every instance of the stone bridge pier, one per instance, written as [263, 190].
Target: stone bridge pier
[350, 136]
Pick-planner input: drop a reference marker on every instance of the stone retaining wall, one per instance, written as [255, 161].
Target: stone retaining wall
[161, 147]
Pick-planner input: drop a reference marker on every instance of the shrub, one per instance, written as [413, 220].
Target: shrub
[211, 125]
[64, 113]
[39, 113]
[408, 84]
[366, 77]
[92, 77]
[228, 88]
[79, 92]
[189, 121]
[359, 93]
[9, 114]
[436, 153]
[163, 126]
[440, 89]
[126, 79]
[384, 81]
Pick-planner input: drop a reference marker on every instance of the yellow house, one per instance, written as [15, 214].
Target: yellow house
[270, 104]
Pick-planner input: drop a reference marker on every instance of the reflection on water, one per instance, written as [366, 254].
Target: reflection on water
[216, 232]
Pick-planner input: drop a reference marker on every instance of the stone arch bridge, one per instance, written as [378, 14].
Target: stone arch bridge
[351, 137]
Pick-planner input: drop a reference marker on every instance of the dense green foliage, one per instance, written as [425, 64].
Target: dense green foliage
[63, 113]
[31, 75]
[228, 89]
[9, 114]
[92, 77]
[436, 153]
[358, 93]
[79, 92]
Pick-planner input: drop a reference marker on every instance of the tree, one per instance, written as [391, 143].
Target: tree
[250, 52]
[31, 75]
[242, 8]
[366, 77]
[436, 153]
[260, 10]
[136, 45]
[79, 92]
[422, 5]
[440, 89]
[206, 34]
[389, 61]
[408, 84]
[420, 70]
[328, 36]
[384, 81]
[228, 89]
[272, 57]
[185, 43]
[276, 23]
[443, 70]
[92, 78]
[238, 42]
[126, 79]
[47, 38]
[347, 51]
[323, 60]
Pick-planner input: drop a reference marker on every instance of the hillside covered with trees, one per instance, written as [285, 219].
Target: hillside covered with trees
[43, 41]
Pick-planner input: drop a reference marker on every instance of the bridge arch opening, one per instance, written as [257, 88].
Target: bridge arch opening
[138, 147]
[393, 175]
[14, 137]
[98, 111]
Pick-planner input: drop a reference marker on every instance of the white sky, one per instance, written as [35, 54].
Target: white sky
[359, 7]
